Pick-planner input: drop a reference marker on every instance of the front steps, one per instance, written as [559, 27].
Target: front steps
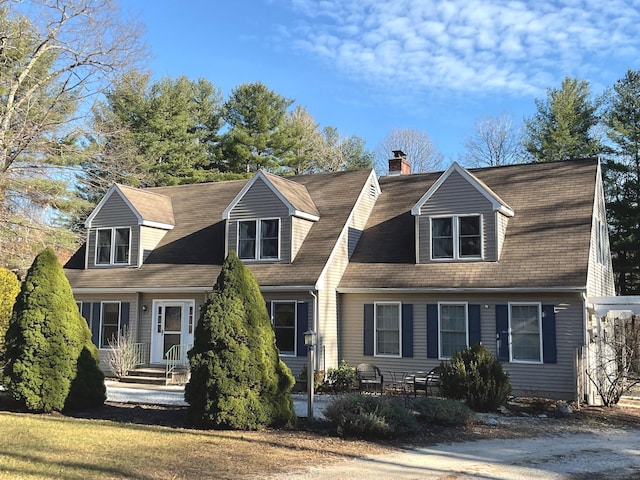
[156, 375]
[147, 375]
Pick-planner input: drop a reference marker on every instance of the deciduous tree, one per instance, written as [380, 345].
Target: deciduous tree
[416, 145]
[495, 141]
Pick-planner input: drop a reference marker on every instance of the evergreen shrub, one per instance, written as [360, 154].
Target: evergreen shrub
[341, 379]
[442, 411]
[44, 342]
[237, 378]
[9, 288]
[367, 416]
[475, 376]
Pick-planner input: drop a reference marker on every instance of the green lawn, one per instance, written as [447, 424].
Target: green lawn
[54, 446]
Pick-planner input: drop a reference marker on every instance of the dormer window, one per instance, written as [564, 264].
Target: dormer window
[456, 237]
[259, 239]
[113, 246]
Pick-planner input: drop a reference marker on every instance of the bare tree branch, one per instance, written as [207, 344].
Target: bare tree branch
[417, 146]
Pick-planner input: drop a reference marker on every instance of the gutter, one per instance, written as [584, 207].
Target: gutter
[203, 289]
[570, 289]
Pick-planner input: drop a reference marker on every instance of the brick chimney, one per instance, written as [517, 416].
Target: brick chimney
[399, 165]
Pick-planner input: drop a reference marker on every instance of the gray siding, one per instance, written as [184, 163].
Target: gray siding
[114, 213]
[456, 197]
[299, 230]
[557, 380]
[260, 202]
[600, 282]
[149, 239]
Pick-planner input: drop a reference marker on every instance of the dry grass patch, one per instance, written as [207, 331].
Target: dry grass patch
[49, 446]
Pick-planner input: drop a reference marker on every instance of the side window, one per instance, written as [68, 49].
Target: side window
[456, 237]
[247, 240]
[387, 329]
[103, 246]
[452, 328]
[269, 239]
[525, 324]
[284, 326]
[259, 239]
[109, 322]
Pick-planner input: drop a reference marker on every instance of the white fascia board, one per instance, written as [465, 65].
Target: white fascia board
[163, 226]
[305, 216]
[241, 193]
[568, 289]
[202, 289]
[114, 188]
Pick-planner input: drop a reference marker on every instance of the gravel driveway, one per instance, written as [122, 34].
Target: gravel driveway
[601, 454]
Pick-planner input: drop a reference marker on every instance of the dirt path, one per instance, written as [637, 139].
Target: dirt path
[609, 453]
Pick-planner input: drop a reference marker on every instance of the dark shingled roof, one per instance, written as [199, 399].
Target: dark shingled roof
[546, 244]
[191, 254]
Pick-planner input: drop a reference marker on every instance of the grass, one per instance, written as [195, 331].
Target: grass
[54, 446]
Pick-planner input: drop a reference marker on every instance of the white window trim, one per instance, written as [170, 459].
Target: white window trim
[258, 250]
[375, 330]
[102, 318]
[455, 228]
[295, 326]
[466, 326]
[534, 362]
[112, 252]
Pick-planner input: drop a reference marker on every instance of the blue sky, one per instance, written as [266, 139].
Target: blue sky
[368, 66]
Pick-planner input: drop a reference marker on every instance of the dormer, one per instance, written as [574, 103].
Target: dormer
[126, 226]
[460, 219]
[269, 219]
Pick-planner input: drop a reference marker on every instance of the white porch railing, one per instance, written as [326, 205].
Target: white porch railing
[177, 361]
[141, 353]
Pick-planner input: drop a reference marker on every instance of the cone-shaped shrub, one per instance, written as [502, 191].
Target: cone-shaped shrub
[45, 338]
[237, 378]
[9, 288]
[475, 376]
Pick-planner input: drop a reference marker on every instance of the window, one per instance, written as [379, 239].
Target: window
[601, 239]
[109, 322]
[453, 323]
[387, 329]
[525, 325]
[284, 326]
[259, 239]
[456, 237]
[113, 246]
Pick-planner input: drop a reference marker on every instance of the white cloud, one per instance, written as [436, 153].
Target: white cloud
[467, 45]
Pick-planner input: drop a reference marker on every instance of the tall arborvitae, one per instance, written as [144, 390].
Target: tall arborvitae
[9, 288]
[237, 378]
[45, 339]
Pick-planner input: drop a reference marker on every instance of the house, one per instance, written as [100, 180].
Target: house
[399, 271]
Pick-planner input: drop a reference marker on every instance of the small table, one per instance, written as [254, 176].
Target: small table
[398, 381]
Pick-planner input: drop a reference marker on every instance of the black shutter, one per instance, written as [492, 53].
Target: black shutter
[95, 323]
[407, 330]
[302, 325]
[124, 317]
[502, 332]
[86, 313]
[368, 329]
[432, 331]
[474, 325]
[549, 350]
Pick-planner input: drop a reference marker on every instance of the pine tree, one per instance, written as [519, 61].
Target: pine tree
[45, 338]
[563, 126]
[237, 378]
[622, 181]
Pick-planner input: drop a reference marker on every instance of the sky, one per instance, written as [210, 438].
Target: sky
[367, 67]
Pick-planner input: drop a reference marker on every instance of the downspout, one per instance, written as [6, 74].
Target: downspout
[315, 325]
[586, 350]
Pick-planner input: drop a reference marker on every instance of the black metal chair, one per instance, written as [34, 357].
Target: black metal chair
[370, 378]
[427, 382]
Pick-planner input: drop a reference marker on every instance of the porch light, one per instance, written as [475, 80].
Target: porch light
[309, 338]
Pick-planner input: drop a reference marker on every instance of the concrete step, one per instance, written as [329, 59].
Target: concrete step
[144, 380]
[159, 372]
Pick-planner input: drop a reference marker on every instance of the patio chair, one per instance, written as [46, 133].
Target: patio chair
[370, 378]
[427, 382]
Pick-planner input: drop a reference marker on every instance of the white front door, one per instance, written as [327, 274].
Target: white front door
[173, 324]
